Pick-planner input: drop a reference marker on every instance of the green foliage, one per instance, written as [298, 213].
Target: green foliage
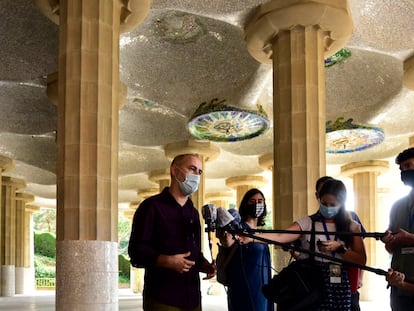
[45, 220]
[45, 267]
[124, 266]
[45, 244]
[124, 231]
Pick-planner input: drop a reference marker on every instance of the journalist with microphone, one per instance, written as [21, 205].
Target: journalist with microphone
[246, 267]
[166, 241]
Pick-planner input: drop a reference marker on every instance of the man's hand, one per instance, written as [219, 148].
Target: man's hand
[178, 262]
[208, 268]
[401, 237]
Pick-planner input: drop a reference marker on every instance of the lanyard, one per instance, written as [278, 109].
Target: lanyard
[325, 229]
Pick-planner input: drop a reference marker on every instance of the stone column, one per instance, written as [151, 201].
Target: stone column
[87, 154]
[411, 141]
[161, 177]
[295, 36]
[242, 184]
[6, 164]
[22, 227]
[364, 175]
[408, 77]
[266, 162]
[28, 255]
[8, 233]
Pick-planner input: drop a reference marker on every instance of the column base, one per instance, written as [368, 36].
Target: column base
[8, 288]
[86, 275]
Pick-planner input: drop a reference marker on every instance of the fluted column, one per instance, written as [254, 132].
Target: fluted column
[6, 164]
[28, 253]
[8, 233]
[411, 141]
[364, 176]
[89, 97]
[408, 77]
[242, 184]
[161, 177]
[295, 36]
[266, 161]
[22, 227]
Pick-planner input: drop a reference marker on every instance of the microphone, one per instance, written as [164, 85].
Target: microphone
[228, 219]
[209, 212]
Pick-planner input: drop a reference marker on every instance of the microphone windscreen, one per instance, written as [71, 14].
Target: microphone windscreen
[235, 214]
[209, 212]
[223, 217]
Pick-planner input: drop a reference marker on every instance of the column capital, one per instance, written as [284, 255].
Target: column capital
[256, 181]
[221, 195]
[374, 166]
[134, 205]
[12, 181]
[146, 193]
[26, 197]
[32, 208]
[266, 161]
[133, 12]
[158, 175]
[204, 148]
[408, 77]
[6, 164]
[332, 16]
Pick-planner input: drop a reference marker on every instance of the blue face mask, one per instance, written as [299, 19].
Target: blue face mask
[190, 183]
[329, 212]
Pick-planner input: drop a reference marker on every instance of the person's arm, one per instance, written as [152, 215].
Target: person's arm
[397, 278]
[354, 253]
[207, 267]
[226, 238]
[277, 237]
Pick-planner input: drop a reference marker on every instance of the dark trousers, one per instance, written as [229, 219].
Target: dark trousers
[355, 302]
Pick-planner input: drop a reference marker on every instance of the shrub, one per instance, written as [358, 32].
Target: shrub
[124, 266]
[45, 244]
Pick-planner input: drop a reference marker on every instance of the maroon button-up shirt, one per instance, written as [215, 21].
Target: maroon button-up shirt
[162, 226]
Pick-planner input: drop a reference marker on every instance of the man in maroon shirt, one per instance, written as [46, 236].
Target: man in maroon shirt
[166, 241]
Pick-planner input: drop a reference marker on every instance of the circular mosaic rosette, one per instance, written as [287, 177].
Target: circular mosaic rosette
[228, 125]
[351, 140]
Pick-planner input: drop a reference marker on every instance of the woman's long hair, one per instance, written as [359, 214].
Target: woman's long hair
[243, 210]
[342, 219]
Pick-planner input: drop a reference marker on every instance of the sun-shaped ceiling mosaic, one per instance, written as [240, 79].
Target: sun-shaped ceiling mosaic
[217, 121]
[345, 136]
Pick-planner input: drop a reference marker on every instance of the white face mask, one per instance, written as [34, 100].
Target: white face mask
[190, 183]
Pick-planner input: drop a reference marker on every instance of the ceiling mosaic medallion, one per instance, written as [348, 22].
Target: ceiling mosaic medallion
[178, 27]
[219, 122]
[345, 136]
[338, 58]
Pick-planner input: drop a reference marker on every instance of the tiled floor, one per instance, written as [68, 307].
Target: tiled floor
[45, 301]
